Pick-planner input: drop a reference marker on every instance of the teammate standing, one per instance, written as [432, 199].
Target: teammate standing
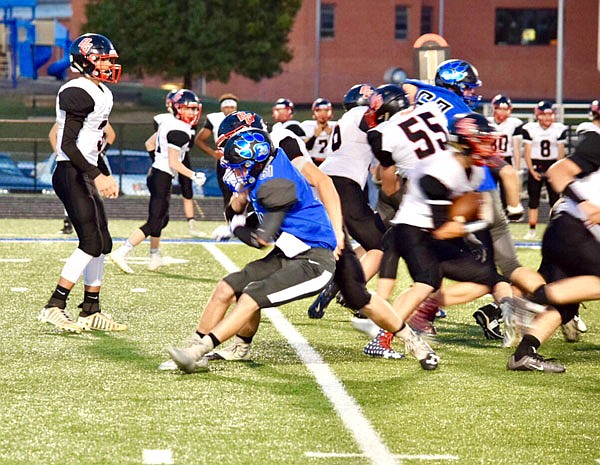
[81, 178]
[319, 129]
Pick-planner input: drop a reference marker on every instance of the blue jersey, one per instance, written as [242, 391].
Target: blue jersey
[450, 103]
[307, 219]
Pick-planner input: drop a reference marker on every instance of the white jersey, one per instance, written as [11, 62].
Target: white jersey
[97, 101]
[279, 133]
[415, 207]
[588, 186]
[586, 126]
[411, 136]
[172, 133]
[214, 120]
[544, 142]
[350, 153]
[160, 118]
[509, 129]
[318, 152]
[285, 125]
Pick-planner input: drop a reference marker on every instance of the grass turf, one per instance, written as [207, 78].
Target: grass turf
[98, 399]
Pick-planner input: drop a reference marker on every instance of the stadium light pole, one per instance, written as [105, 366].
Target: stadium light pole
[317, 46]
[441, 19]
[559, 58]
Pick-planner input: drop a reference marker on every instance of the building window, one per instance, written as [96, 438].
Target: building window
[526, 26]
[426, 20]
[327, 20]
[401, 22]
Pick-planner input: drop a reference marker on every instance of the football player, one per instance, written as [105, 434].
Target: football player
[81, 178]
[228, 104]
[173, 140]
[544, 144]
[282, 112]
[185, 183]
[570, 249]
[319, 129]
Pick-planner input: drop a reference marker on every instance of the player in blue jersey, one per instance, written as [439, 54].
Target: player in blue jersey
[301, 262]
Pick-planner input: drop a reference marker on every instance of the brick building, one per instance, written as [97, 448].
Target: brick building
[511, 42]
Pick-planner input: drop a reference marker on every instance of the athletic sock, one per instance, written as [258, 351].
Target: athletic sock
[59, 297]
[526, 343]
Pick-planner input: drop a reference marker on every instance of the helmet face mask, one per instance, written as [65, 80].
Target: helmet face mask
[358, 95]
[93, 55]
[462, 78]
[186, 106]
[244, 157]
[471, 135]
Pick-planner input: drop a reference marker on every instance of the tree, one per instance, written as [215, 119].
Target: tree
[190, 38]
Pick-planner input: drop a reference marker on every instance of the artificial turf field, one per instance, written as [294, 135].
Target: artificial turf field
[97, 398]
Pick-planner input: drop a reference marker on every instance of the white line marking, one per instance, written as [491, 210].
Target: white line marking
[19, 289]
[139, 289]
[15, 260]
[157, 456]
[346, 407]
[334, 455]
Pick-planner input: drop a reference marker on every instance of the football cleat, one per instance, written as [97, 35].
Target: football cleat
[518, 315]
[238, 350]
[489, 317]
[573, 329]
[365, 325]
[169, 365]
[60, 318]
[422, 351]
[193, 231]
[381, 346]
[317, 308]
[534, 362]
[156, 261]
[100, 321]
[119, 258]
[190, 359]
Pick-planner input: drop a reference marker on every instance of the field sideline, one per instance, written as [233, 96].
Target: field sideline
[308, 396]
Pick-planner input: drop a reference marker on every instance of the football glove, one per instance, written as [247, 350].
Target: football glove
[199, 178]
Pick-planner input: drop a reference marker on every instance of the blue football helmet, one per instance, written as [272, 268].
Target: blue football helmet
[459, 76]
[358, 95]
[236, 122]
[245, 155]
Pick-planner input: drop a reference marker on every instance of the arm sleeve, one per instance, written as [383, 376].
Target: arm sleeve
[278, 196]
[177, 138]
[439, 199]
[296, 129]
[290, 147]
[383, 156]
[77, 104]
[587, 153]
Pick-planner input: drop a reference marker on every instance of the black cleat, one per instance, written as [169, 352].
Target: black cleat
[317, 309]
[489, 318]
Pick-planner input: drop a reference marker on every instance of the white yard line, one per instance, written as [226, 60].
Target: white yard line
[336, 455]
[346, 407]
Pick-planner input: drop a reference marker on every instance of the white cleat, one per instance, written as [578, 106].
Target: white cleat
[60, 318]
[119, 258]
[156, 261]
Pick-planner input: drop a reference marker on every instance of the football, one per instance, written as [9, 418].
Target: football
[466, 207]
